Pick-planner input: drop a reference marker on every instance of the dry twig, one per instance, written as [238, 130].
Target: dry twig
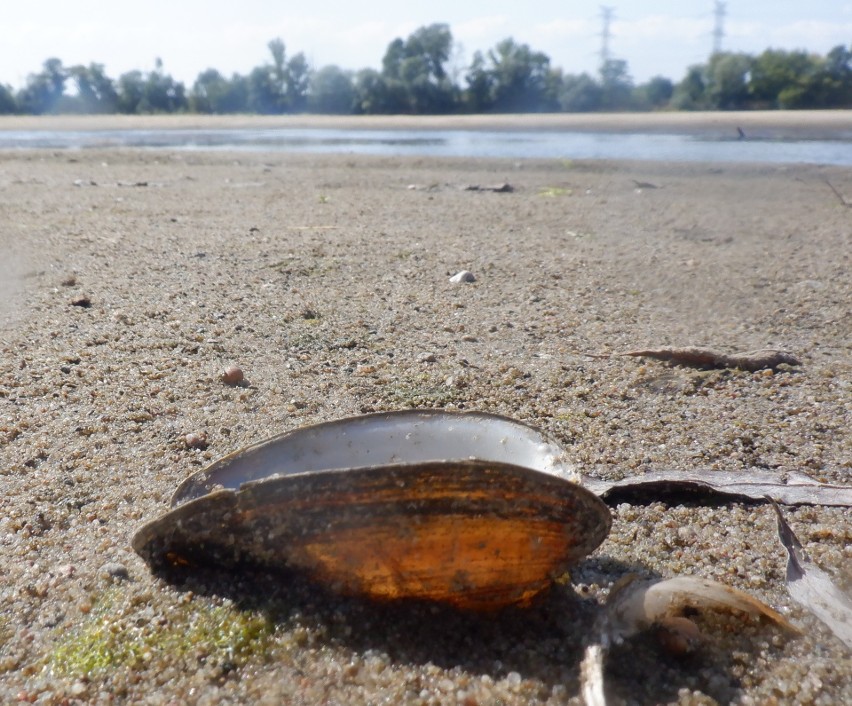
[504, 188]
[709, 358]
[840, 197]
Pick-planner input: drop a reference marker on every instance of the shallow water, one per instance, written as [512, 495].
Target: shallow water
[451, 143]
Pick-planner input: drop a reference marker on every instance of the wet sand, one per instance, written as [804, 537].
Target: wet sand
[131, 279]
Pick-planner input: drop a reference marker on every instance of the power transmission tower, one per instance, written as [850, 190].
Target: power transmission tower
[606, 17]
[718, 25]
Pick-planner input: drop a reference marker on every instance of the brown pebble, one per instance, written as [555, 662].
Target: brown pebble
[196, 440]
[82, 301]
[232, 375]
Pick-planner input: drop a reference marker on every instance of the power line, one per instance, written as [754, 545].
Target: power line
[718, 25]
[606, 17]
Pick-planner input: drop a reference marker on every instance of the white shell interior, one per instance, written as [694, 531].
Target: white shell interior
[387, 439]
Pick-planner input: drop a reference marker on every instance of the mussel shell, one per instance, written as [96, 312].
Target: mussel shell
[472, 530]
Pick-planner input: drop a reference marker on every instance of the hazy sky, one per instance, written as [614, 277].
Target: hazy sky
[654, 36]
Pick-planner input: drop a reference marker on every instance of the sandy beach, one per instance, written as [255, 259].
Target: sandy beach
[131, 279]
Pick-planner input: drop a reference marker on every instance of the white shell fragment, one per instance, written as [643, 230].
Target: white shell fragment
[592, 676]
[635, 604]
[812, 588]
[463, 276]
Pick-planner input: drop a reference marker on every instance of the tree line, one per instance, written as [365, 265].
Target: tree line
[418, 76]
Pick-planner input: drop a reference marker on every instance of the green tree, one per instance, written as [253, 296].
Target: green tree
[96, 92]
[131, 90]
[776, 71]
[838, 65]
[616, 85]
[264, 95]
[414, 71]
[162, 94]
[479, 96]
[267, 84]
[690, 93]
[654, 94]
[431, 46]
[331, 91]
[213, 93]
[832, 83]
[154, 92]
[375, 94]
[580, 94]
[298, 79]
[518, 78]
[281, 86]
[726, 79]
[8, 104]
[393, 58]
[44, 89]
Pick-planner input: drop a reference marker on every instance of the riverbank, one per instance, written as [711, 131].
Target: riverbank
[131, 279]
[823, 125]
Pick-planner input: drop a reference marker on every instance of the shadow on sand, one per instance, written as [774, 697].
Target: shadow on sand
[543, 642]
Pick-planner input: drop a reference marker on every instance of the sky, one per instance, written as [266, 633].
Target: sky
[655, 37]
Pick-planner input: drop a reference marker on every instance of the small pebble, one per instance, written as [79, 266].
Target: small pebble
[196, 440]
[115, 570]
[232, 375]
[81, 301]
[463, 276]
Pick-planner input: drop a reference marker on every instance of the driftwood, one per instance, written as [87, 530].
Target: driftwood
[787, 488]
[709, 358]
[811, 587]
[504, 188]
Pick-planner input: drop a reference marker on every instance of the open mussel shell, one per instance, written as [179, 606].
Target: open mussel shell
[474, 510]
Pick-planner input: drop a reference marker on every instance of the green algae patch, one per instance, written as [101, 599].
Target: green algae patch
[420, 395]
[553, 191]
[111, 638]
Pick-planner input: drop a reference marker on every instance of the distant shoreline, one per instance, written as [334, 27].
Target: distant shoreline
[829, 124]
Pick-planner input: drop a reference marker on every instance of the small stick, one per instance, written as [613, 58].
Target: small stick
[709, 358]
[839, 196]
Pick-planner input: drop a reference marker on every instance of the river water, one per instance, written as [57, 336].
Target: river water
[450, 143]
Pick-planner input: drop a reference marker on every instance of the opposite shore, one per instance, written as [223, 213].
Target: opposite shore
[825, 125]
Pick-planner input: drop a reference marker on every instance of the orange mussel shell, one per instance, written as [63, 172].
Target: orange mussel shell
[474, 533]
